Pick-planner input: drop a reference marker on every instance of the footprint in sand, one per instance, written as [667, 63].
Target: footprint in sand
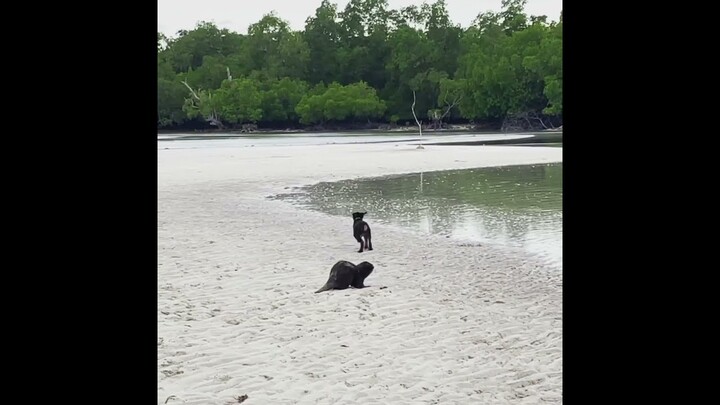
[170, 373]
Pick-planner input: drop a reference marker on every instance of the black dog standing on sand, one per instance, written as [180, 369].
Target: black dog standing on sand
[361, 230]
[344, 274]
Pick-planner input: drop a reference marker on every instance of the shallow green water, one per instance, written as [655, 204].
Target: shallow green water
[519, 206]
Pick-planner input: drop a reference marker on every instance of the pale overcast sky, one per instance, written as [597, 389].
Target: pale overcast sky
[237, 15]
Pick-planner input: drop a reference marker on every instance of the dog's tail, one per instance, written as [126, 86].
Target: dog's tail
[323, 288]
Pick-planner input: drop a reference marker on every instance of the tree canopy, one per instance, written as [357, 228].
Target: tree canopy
[362, 64]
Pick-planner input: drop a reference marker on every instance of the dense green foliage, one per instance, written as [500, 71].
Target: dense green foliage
[362, 65]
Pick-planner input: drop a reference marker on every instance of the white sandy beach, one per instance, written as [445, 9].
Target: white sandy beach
[237, 314]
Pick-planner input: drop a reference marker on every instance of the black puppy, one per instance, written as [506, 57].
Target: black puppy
[361, 230]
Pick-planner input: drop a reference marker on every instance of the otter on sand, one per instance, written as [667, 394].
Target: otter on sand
[344, 274]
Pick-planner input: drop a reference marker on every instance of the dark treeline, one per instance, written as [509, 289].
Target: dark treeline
[363, 66]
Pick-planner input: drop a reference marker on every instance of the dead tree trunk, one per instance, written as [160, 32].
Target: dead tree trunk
[191, 90]
[196, 101]
[450, 106]
[213, 119]
[416, 120]
[523, 121]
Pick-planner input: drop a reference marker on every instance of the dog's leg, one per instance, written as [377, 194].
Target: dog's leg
[369, 241]
[358, 237]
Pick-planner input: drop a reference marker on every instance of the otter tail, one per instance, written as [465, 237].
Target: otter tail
[323, 288]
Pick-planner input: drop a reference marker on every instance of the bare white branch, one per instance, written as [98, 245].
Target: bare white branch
[191, 90]
[416, 120]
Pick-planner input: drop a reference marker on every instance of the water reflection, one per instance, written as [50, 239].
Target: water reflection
[519, 206]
